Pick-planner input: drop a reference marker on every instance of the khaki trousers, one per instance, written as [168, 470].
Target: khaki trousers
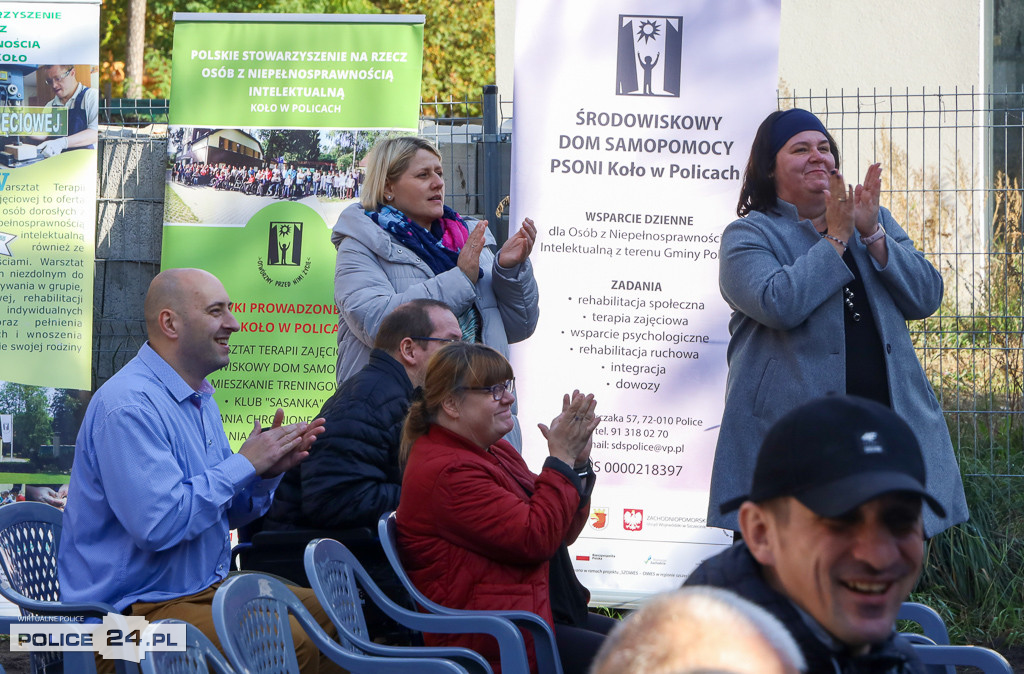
[197, 610]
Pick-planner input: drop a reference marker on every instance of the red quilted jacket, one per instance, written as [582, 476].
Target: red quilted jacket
[471, 537]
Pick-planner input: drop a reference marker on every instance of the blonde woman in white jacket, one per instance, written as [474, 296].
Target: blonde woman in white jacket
[401, 243]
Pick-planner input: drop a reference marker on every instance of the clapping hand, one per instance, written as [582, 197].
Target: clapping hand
[571, 432]
[865, 211]
[469, 256]
[839, 206]
[278, 448]
[519, 246]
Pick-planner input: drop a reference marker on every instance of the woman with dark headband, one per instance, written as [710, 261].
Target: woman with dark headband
[821, 281]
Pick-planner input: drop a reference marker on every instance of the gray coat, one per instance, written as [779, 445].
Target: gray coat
[374, 274]
[784, 283]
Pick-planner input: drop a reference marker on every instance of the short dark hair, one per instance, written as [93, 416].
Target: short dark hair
[758, 190]
[411, 319]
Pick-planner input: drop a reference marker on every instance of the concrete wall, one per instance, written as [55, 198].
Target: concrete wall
[885, 43]
[129, 227]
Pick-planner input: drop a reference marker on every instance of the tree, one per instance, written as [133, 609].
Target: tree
[458, 45]
[136, 38]
[68, 409]
[32, 422]
[293, 145]
[159, 32]
[458, 39]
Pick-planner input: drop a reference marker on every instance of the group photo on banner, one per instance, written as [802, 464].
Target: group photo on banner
[49, 127]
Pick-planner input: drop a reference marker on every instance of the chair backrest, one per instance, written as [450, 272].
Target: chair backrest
[250, 613]
[929, 620]
[984, 659]
[333, 579]
[29, 538]
[387, 530]
[199, 657]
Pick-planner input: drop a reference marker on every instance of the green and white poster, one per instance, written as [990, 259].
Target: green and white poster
[270, 118]
[49, 109]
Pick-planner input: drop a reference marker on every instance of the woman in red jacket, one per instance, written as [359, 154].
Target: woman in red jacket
[476, 528]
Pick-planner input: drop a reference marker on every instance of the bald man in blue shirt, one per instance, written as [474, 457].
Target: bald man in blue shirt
[155, 487]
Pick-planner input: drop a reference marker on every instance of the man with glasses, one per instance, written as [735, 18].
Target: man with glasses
[82, 104]
[352, 475]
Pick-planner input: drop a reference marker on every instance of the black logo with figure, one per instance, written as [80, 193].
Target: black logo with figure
[284, 248]
[650, 56]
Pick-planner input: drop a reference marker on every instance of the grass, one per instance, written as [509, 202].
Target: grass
[34, 478]
[175, 209]
[972, 574]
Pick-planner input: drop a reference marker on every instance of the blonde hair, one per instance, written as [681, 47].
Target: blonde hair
[386, 162]
[458, 365]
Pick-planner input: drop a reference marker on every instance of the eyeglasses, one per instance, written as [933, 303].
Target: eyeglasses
[497, 391]
[51, 82]
[443, 340]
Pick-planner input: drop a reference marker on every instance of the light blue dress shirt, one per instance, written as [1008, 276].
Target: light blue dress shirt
[155, 489]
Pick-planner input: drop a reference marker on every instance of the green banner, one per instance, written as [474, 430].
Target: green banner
[297, 75]
[253, 192]
[49, 128]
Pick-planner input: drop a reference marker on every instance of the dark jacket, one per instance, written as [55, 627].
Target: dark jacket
[351, 476]
[736, 570]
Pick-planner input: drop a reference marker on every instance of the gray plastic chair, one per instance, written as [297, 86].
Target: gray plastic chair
[199, 657]
[250, 613]
[544, 644]
[929, 620]
[334, 572]
[984, 659]
[29, 539]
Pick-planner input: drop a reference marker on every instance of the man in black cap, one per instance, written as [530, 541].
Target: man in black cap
[832, 533]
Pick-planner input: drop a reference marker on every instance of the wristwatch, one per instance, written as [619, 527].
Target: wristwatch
[879, 233]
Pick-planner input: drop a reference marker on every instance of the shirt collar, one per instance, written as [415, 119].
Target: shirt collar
[169, 377]
[786, 209]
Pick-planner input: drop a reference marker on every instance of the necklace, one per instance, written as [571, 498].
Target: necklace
[847, 295]
[848, 301]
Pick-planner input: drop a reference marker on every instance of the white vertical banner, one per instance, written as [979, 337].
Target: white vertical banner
[6, 428]
[633, 125]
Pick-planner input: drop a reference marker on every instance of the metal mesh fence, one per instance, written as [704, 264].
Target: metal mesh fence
[953, 166]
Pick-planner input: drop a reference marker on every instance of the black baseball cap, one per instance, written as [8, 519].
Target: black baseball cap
[834, 454]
